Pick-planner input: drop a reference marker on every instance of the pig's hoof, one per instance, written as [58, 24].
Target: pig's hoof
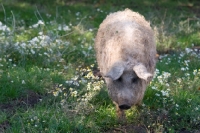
[124, 107]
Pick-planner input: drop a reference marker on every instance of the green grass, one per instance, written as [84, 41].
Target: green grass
[47, 61]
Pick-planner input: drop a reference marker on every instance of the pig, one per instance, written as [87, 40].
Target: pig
[126, 55]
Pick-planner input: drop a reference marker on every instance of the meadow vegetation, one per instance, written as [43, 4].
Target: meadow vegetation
[49, 79]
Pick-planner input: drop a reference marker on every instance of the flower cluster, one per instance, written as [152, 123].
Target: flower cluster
[34, 121]
[4, 28]
[79, 90]
[170, 88]
[47, 44]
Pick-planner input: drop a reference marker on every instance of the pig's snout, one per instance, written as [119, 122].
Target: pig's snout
[124, 107]
[124, 99]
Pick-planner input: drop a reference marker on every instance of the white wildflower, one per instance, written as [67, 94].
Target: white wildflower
[164, 93]
[56, 93]
[23, 45]
[154, 88]
[41, 33]
[32, 51]
[187, 74]
[71, 89]
[157, 94]
[167, 84]
[4, 27]
[66, 28]
[183, 69]
[40, 22]
[59, 27]
[69, 82]
[195, 72]
[188, 50]
[23, 82]
[76, 83]
[78, 13]
[166, 75]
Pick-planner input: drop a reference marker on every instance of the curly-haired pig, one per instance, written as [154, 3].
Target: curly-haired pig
[125, 51]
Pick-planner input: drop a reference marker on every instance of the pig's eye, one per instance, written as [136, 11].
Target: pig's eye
[119, 79]
[134, 80]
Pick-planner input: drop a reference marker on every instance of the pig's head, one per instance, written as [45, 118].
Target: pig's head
[126, 86]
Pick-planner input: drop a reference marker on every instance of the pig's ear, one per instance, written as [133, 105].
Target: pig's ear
[142, 72]
[115, 72]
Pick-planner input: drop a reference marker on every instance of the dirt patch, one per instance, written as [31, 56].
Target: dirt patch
[29, 100]
[128, 129]
[4, 126]
[10, 107]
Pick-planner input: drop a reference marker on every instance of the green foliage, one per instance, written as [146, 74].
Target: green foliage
[172, 96]
[47, 66]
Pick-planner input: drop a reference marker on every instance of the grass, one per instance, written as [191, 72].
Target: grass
[48, 68]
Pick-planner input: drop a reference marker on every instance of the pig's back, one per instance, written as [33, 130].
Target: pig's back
[124, 36]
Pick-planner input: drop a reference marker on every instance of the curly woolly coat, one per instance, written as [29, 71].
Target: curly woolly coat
[125, 49]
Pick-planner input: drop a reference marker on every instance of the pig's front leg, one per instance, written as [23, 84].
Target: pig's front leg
[121, 114]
